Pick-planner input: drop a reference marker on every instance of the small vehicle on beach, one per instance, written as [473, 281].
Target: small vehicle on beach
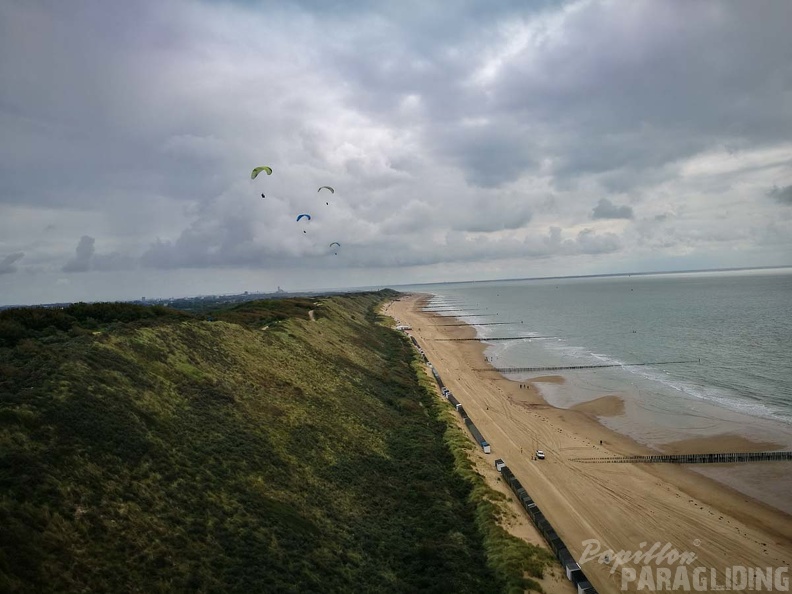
[540, 455]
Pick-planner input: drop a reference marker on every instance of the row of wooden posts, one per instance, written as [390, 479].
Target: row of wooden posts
[725, 458]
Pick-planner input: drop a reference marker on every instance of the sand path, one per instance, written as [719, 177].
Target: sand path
[620, 505]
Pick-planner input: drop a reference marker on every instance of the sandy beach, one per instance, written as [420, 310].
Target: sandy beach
[620, 506]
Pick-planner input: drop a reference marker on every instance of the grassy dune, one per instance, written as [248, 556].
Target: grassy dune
[147, 450]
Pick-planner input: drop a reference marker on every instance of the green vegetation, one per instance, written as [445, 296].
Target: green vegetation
[144, 449]
[513, 560]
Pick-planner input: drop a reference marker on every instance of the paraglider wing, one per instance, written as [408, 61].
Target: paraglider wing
[258, 170]
[335, 243]
[307, 216]
[332, 191]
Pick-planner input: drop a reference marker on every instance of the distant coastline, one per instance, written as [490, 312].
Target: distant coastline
[603, 275]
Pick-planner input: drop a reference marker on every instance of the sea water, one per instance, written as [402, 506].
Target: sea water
[733, 329]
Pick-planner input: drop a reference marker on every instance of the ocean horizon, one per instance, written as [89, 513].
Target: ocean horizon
[735, 324]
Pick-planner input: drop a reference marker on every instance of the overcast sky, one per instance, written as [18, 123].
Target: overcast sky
[465, 140]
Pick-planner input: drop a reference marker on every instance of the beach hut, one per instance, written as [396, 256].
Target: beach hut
[545, 528]
[551, 534]
[475, 433]
[572, 568]
[567, 561]
[556, 544]
[542, 524]
[565, 556]
[499, 464]
[576, 576]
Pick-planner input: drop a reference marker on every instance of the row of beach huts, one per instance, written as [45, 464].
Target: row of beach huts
[474, 431]
[573, 571]
[571, 567]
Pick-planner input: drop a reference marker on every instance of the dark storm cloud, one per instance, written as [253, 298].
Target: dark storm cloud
[598, 88]
[782, 195]
[505, 221]
[84, 254]
[649, 83]
[587, 241]
[227, 242]
[492, 154]
[84, 114]
[86, 259]
[7, 263]
[606, 209]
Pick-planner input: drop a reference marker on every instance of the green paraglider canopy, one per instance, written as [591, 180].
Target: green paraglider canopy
[258, 170]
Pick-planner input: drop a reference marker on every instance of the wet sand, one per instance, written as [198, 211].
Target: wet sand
[620, 505]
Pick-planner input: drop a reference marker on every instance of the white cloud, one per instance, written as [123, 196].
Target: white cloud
[459, 142]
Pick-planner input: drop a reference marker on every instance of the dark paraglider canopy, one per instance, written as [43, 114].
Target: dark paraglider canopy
[332, 191]
[304, 216]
